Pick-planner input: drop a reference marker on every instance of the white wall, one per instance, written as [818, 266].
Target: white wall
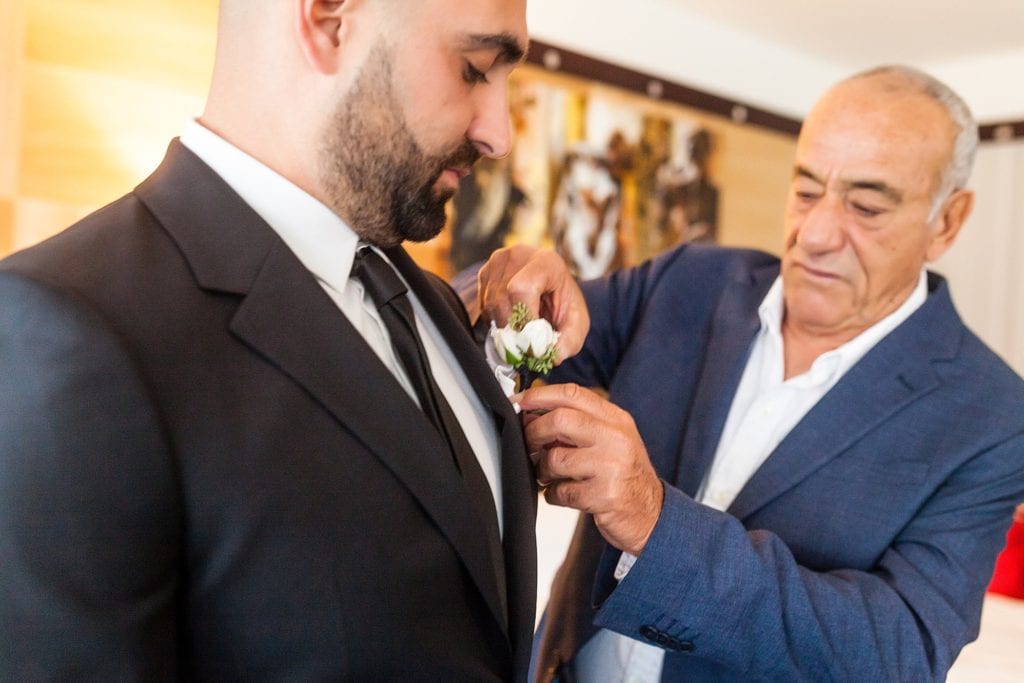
[984, 266]
[661, 38]
[993, 85]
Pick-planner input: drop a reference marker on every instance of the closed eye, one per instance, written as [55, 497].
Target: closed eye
[866, 211]
[473, 75]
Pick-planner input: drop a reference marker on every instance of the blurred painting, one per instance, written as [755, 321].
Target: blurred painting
[598, 176]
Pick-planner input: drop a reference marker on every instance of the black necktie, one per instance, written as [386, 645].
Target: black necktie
[390, 296]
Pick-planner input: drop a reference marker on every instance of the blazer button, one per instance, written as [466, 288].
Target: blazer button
[684, 646]
[665, 640]
[654, 635]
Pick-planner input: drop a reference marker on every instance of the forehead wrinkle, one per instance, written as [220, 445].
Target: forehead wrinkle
[507, 45]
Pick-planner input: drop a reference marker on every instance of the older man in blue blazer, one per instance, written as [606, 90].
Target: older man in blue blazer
[807, 467]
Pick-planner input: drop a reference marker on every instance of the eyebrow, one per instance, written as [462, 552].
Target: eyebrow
[803, 172]
[507, 45]
[888, 191]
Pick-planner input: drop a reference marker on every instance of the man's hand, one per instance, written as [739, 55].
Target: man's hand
[540, 280]
[589, 456]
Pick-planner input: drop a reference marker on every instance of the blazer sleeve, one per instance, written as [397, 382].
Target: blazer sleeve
[707, 586]
[89, 515]
[614, 303]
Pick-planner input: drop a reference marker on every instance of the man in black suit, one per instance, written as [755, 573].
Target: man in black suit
[213, 461]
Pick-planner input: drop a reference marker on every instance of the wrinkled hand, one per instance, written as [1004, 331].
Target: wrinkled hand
[539, 279]
[589, 456]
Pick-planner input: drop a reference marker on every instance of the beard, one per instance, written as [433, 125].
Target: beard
[376, 176]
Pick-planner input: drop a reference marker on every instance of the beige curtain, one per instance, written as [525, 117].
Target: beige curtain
[986, 265]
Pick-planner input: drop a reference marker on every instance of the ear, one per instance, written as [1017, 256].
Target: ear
[947, 225]
[321, 27]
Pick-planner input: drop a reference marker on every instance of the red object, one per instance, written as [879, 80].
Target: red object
[1008, 578]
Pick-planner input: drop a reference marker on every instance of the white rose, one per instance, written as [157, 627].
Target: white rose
[508, 345]
[538, 336]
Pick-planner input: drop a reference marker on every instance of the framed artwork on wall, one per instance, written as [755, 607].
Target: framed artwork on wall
[594, 173]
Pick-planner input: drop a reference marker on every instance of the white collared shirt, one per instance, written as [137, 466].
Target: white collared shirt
[326, 246]
[764, 410]
[766, 406]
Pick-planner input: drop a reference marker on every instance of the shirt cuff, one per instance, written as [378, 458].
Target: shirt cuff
[626, 561]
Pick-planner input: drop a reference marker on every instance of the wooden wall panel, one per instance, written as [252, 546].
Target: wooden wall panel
[170, 43]
[754, 169]
[11, 49]
[11, 55]
[6, 226]
[90, 137]
[34, 220]
[102, 87]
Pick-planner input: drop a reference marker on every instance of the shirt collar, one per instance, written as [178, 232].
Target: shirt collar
[838, 360]
[319, 238]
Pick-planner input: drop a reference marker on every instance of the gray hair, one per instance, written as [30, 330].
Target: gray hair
[958, 170]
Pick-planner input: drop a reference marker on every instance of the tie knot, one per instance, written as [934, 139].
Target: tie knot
[378, 277]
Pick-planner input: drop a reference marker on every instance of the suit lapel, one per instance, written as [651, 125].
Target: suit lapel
[287, 318]
[733, 328]
[882, 383]
[457, 336]
[518, 484]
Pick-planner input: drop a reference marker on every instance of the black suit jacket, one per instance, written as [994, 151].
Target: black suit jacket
[205, 472]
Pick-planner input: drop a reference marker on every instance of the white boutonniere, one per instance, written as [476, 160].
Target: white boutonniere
[525, 346]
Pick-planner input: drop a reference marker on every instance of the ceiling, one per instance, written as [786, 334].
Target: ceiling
[855, 33]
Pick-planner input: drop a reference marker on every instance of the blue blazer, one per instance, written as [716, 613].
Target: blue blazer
[860, 550]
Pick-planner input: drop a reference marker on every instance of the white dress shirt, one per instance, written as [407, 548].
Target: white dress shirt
[764, 410]
[326, 246]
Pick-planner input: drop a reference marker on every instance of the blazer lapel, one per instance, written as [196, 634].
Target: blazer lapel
[286, 317]
[733, 328]
[883, 382]
[518, 484]
[457, 336]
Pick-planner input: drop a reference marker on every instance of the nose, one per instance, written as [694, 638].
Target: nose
[820, 228]
[490, 131]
